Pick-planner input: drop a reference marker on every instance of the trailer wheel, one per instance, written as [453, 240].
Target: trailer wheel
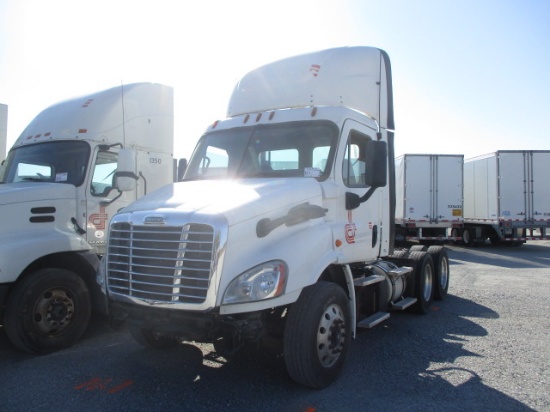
[47, 311]
[423, 280]
[467, 238]
[441, 264]
[317, 335]
[149, 339]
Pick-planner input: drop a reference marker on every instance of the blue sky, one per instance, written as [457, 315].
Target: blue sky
[470, 77]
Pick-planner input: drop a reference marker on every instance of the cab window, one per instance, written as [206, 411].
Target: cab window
[103, 173]
[353, 169]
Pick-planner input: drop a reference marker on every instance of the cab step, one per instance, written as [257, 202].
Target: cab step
[368, 280]
[373, 320]
[403, 303]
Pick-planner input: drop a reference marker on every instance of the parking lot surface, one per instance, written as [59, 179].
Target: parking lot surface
[485, 348]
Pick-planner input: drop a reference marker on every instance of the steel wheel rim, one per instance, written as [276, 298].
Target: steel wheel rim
[428, 279]
[53, 311]
[331, 335]
[443, 272]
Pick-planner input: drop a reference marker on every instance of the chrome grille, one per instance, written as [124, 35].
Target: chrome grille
[160, 263]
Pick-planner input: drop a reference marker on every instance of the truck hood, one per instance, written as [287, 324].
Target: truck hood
[32, 191]
[237, 200]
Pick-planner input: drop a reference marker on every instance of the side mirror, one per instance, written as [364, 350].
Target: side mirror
[376, 163]
[182, 167]
[376, 169]
[125, 176]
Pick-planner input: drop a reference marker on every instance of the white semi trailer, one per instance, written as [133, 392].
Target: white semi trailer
[74, 166]
[429, 193]
[507, 197]
[283, 227]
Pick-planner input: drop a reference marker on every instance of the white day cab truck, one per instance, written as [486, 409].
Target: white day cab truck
[71, 169]
[281, 231]
[507, 197]
[429, 197]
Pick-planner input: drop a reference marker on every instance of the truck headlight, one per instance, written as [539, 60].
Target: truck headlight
[264, 281]
[101, 276]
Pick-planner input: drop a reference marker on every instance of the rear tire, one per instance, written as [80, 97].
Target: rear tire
[467, 238]
[441, 264]
[47, 311]
[317, 335]
[423, 281]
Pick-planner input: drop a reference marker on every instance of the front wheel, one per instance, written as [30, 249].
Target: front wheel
[317, 335]
[47, 311]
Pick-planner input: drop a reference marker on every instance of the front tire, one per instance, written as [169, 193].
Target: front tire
[47, 311]
[317, 335]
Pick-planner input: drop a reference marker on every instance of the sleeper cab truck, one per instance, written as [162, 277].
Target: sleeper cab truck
[71, 169]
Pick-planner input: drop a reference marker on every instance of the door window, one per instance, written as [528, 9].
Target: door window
[353, 170]
[104, 171]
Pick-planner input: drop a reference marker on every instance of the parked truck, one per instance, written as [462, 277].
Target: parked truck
[282, 229]
[429, 192]
[507, 197]
[61, 185]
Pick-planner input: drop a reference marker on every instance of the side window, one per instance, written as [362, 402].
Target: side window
[104, 170]
[353, 169]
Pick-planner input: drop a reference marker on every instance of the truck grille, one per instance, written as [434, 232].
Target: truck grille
[163, 264]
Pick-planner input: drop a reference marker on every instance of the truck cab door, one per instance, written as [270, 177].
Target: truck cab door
[103, 199]
[362, 213]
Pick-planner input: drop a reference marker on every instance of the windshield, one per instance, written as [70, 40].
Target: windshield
[294, 149]
[60, 162]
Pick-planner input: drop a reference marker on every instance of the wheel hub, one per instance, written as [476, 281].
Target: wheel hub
[53, 311]
[331, 335]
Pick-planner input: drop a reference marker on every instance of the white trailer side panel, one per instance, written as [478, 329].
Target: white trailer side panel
[512, 181]
[481, 189]
[507, 186]
[541, 186]
[429, 189]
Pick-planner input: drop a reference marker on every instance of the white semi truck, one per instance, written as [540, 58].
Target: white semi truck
[282, 230]
[71, 169]
[429, 193]
[507, 197]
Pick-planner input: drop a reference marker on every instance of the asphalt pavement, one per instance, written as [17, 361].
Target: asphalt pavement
[484, 348]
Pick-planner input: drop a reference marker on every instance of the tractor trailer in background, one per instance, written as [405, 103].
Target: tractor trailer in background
[282, 229]
[429, 193]
[507, 197]
[74, 166]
